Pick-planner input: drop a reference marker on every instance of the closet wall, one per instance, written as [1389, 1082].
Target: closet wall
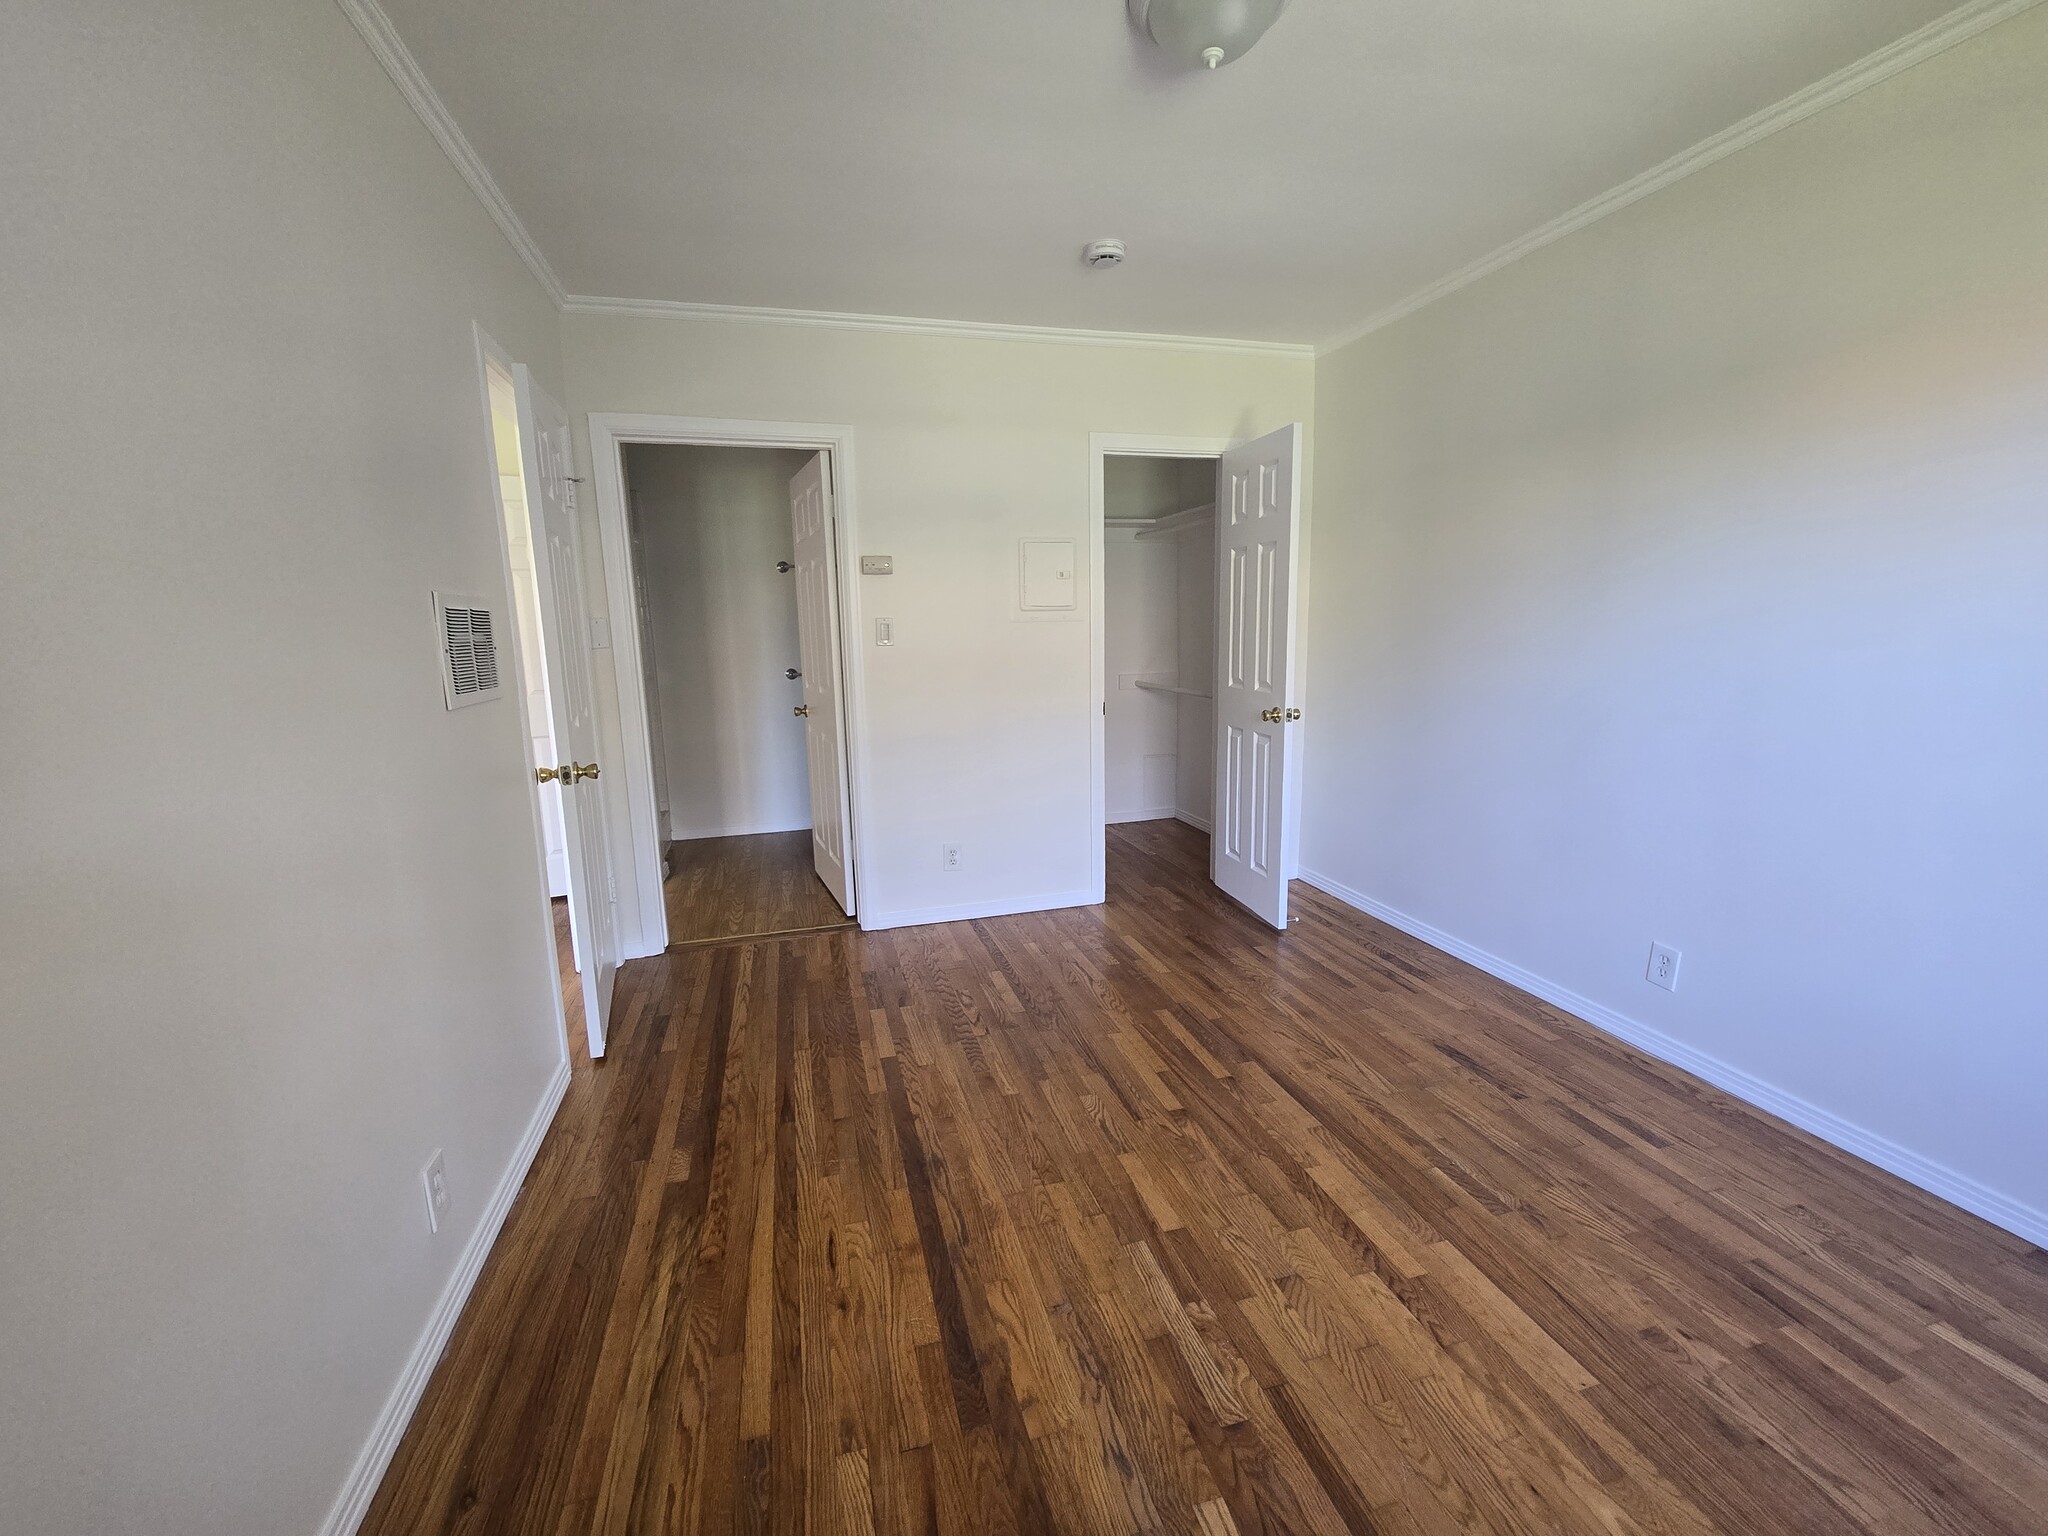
[1158, 638]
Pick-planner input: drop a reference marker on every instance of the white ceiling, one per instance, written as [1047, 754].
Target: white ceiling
[947, 158]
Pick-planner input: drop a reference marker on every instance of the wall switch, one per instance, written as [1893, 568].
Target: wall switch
[1663, 970]
[885, 632]
[878, 565]
[949, 857]
[600, 632]
[435, 1177]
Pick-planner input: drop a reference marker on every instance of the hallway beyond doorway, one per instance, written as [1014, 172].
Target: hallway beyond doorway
[724, 888]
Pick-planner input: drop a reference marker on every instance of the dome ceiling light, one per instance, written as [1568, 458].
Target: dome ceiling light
[1205, 32]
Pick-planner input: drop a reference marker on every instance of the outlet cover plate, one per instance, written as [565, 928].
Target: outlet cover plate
[1663, 971]
[435, 1177]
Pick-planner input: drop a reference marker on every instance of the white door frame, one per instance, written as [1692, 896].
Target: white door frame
[1103, 445]
[610, 432]
[490, 355]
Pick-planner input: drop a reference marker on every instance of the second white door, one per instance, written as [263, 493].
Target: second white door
[1258, 516]
[817, 620]
[565, 642]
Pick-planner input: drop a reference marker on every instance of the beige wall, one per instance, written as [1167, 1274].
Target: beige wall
[1688, 581]
[269, 925]
[978, 716]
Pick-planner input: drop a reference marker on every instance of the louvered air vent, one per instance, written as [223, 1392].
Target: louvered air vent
[469, 649]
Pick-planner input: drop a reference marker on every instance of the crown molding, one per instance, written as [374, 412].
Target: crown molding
[1916, 47]
[405, 73]
[669, 309]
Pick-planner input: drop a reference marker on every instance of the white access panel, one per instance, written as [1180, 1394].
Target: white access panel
[1046, 574]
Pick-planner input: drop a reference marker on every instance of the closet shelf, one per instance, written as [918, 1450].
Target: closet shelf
[1176, 522]
[1173, 688]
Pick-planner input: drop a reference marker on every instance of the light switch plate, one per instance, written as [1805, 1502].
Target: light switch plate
[878, 565]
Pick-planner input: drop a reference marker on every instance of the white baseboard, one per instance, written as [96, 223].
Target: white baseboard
[363, 1479]
[1199, 823]
[1157, 813]
[967, 911]
[746, 829]
[2000, 1209]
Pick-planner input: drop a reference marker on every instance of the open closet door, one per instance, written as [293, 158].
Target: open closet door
[1258, 517]
[565, 640]
[817, 623]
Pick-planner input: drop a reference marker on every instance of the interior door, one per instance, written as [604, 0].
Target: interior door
[565, 638]
[817, 624]
[1258, 518]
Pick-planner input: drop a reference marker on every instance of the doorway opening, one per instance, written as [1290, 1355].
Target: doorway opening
[1195, 652]
[735, 614]
[1159, 638]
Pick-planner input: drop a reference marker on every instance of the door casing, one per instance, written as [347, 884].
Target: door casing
[610, 433]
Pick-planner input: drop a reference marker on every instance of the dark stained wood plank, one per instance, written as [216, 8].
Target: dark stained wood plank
[724, 888]
[1146, 1218]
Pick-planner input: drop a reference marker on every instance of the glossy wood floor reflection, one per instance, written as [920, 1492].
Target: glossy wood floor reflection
[1142, 1218]
[721, 888]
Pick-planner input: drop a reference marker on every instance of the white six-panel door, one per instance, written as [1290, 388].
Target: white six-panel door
[1258, 515]
[565, 639]
[817, 622]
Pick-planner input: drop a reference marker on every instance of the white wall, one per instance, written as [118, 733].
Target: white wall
[978, 718]
[270, 927]
[711, 524]
[1688, 580]
[1140, 593]
[1195, 639]
[1159, 621]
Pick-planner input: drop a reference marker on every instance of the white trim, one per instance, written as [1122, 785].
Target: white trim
[609, 432]
[1199, 823]
[1148, 813]
[1914, 48]
[1999, 1209]
[973, 330]
[1100, 446]
[968, 911]
[413, 85]
[353, 1502]
[749, 829]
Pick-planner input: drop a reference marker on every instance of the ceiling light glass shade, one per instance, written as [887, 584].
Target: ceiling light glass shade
[1205, 33]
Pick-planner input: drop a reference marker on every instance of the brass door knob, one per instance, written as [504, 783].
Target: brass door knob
[579, 771]
[1270, 716]
[547, 775]
[1294, 714]
[803, 711]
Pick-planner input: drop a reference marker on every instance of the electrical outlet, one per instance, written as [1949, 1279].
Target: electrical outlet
[1663, 970]
[435, 1177]
[949, 857]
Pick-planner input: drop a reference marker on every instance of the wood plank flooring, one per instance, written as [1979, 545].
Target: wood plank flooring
[723, 888]
[1144, 1218]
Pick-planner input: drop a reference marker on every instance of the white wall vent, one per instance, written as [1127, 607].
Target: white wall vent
[469, 649]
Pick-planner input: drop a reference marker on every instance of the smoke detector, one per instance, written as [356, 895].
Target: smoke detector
[1103, 253]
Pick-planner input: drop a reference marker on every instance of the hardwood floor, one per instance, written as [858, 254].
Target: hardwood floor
[721, 888]
[1142, 1217]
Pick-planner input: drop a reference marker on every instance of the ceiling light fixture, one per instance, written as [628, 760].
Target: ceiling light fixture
[1205, 32]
